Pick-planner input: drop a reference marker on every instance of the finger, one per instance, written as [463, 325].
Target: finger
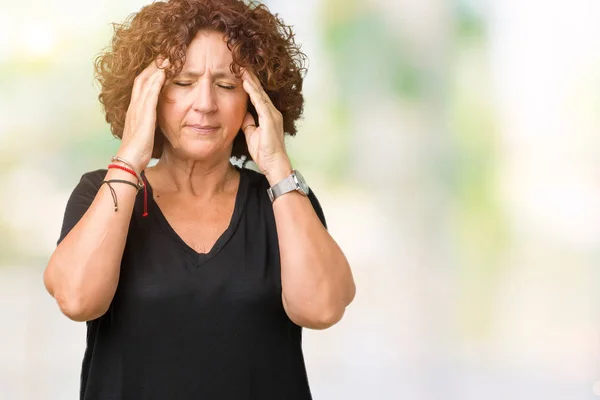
[159, 74]
[251, 76]
[152, 85]
[264, 96]
[140, 81]
[151, 88]
[260, 102]
[154, 88]
[255, 82]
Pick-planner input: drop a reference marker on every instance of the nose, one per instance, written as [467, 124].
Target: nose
[204, 97]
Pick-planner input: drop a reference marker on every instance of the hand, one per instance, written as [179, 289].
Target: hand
[140, 121]
[266, 143]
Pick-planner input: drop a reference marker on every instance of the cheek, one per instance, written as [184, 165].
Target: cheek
[168, 110]
[239, 106]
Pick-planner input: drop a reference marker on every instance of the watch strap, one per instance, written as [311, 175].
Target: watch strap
[285, 186]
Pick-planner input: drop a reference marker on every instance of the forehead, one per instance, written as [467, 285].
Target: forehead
[209, 50]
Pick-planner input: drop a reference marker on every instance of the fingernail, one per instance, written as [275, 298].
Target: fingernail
[165, 63]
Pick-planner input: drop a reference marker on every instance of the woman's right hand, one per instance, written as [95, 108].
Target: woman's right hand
[140, 121]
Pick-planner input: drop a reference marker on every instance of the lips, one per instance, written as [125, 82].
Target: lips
[203, 129]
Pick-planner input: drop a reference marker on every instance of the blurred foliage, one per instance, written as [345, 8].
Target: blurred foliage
[469, 22]
[480, 234]
[366, 60]
[370, 58]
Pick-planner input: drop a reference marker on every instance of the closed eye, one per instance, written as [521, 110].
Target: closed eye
[226, 87]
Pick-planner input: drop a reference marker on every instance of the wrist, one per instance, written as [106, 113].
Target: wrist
[278, 171]
[132, 160]
[114, 173]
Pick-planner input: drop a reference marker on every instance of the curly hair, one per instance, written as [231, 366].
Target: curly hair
[258, 40]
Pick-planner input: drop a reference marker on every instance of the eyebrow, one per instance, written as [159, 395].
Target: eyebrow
[218, 74]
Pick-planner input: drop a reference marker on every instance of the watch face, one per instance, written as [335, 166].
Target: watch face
[301, 182]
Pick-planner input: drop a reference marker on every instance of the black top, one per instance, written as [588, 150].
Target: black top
[184, 325]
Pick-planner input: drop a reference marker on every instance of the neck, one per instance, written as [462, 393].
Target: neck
[198, 178]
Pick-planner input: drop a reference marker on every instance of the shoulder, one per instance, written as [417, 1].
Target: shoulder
[94, 177]
[81, 198]
[89, 184]
[256, 180]
[259, 184]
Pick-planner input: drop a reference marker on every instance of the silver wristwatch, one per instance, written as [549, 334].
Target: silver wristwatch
[293, 182]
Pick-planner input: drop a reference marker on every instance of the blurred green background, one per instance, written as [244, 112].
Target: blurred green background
[454, 146]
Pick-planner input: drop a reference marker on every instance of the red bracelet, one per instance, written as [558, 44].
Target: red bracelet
[141, 185]
[132, 172]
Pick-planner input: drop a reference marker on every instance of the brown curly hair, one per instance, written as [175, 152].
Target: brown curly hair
[258, 39]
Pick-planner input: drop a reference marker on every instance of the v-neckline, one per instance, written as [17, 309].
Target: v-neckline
[165, 226]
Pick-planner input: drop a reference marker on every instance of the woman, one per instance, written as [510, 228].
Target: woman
[196, 276]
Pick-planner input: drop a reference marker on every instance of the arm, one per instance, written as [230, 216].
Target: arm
[83, 272]
[317, 283]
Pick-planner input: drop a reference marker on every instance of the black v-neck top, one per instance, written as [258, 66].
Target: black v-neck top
[166, 228]
[184, 325]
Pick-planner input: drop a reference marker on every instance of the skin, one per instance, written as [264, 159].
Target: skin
[195, 185]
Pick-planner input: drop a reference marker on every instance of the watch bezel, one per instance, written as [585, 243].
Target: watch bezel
[301, 184]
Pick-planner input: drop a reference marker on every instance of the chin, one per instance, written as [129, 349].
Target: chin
[200, 151]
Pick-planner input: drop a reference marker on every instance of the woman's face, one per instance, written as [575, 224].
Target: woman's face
[201, 110]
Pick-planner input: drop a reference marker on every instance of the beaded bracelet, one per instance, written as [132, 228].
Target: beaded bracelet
[140, 184]
[119, 159]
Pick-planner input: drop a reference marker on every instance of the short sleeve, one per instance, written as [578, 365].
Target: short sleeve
[317, 206]
[80, 200]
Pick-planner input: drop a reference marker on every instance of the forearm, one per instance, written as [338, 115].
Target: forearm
[83, 272]
[317, 282]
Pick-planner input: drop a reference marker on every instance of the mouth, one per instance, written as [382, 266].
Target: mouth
[203, 129]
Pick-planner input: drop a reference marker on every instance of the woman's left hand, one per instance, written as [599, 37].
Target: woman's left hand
[266, 143]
